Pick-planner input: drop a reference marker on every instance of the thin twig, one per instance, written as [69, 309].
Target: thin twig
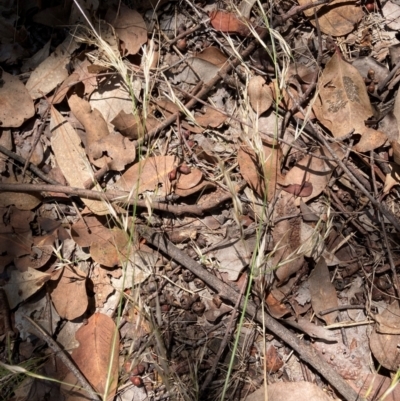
[65, 359]
[31, 166]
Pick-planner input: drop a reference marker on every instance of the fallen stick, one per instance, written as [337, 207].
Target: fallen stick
[306, 352]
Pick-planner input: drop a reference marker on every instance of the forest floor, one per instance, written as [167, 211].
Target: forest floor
[199, 200]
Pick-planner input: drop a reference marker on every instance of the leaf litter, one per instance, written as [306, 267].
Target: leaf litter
[169, 171]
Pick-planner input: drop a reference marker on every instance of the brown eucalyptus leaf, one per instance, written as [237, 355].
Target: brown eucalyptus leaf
[24, 284]
[385, 349]
[96, 355]
[52, 71]
[114, 250]
[150, 174]
[312, 171]
[92, 120]
[323, 292]
[229, 23]
[16, 105]
[260, 94]
[213, 55]
[343, 104]
[261, 178]
[71, 158]
[337, 18]
[187, 181]
[89, 229]
[287, 239]
[69, 293]
[130, 28]
[114, 150]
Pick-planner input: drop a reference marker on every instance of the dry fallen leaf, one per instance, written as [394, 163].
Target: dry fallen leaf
[262, 179]
[323, 292]
[290, 391]
[314, 171]
[337, 18]
[114, 250]
[260, 94]
[52, 71]
[343, 104]
[24, 284]
[213, 55]
[16, 105]
[96, 355]
[229, 23]
[68, 293]
[130, 28]
[150, 174]
[71, 158]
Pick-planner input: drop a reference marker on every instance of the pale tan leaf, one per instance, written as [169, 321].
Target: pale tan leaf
[187, 181]
[150, 174]
[69, 294]
[52, 71]
[130, 28]
[323, 292]
[260, 94]
[337, 18]
[21, 200]
[71, 158]
[343, 104]
[112, 97]
[92, 120]
[114, 250]
[393, 178]
[16, 105]
[213, 55]
[24, 284]
[290, 391]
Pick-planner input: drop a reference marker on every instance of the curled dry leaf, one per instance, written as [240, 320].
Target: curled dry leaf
[52, 71]
[273, 360]
[16, 105]
[150, 174]
[337, 18]
[343, 105]
[211, 118]
[311, 173]
[114, 150]
[130, 28]
[187, 181]
[112, 96]
[260, 94]
[385, 349]
[62, 91]
[92, 120]
[287, 239]
[132, 126]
